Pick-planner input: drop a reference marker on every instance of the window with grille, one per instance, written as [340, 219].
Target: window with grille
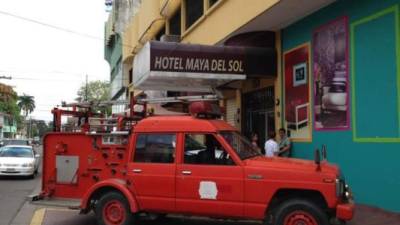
[212, 2]
[175, 24]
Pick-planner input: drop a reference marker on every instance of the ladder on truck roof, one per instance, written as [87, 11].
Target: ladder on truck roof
[182, 99]
[143, 100]
[97, 122]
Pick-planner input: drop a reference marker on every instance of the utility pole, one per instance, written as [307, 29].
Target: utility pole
[86, 89]
[30, 129]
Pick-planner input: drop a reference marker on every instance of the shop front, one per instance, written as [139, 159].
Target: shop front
[351, 54]
[338, 80]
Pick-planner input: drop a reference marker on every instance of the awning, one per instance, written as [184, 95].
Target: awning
[198, 68]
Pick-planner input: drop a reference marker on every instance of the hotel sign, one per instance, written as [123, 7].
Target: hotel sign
[173, 57]
[190, 64]
[187, 67]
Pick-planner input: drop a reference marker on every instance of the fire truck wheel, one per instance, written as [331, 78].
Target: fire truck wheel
[113, 209]
[298, 211]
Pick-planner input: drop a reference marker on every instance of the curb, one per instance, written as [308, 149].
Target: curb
[27, 210]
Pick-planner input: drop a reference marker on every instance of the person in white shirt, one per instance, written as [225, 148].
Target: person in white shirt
[271, 146]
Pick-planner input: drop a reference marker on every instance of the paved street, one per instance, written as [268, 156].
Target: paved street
[13, 192]
[364, 216]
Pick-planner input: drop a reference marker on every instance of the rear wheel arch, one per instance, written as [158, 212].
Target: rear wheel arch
[113, 208]
[100, 189]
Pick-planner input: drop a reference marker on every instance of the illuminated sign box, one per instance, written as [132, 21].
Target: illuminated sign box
[187, 67]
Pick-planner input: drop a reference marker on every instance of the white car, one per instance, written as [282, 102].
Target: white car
[18, 160]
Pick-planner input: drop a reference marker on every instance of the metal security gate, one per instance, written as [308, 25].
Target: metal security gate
[258, 113]
[231, 111]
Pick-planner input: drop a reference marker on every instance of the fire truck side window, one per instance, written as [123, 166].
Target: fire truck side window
[155, 148]
[205, 149]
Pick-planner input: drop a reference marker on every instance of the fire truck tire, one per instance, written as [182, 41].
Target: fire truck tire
[299, 211]
[113, 209]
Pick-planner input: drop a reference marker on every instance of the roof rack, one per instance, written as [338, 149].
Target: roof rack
[95, 103]
[142, 100]
[181, 99]
[89, 121]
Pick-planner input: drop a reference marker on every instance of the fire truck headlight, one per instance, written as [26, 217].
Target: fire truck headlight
[340, 187]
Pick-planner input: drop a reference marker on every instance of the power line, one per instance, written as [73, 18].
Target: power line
[52, 72]
[50, 25]
[5, 77]
[58, 27]
[45, 79]
[39, 79]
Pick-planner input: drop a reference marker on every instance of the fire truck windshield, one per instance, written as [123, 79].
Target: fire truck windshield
[240, 144]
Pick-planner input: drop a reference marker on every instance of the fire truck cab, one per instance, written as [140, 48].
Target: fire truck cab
[191, 165]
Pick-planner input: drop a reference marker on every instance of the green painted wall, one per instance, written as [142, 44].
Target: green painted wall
[113, 54]
[369, 157]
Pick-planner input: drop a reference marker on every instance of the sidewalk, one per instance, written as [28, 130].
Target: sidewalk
[366, 215]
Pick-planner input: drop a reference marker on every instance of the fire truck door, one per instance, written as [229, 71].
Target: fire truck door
[152, 171]
[208, 182]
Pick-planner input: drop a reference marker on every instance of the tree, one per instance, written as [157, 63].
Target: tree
[26, 103]
[95, 91]
[9, 106]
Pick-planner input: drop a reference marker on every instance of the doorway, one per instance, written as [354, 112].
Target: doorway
[258, 113]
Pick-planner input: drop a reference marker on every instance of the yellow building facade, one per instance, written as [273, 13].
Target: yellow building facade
[217, 21]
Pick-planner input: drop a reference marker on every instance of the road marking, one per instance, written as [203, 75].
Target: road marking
[38, 216]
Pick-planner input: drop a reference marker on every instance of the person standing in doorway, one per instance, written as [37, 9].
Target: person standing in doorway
[271, 147]
[254, 141]
[284, 144]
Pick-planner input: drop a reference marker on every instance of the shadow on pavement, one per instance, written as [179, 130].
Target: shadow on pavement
[68, 217]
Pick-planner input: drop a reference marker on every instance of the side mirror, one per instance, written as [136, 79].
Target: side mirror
[37, 155]
[317, 158]
[324, 152]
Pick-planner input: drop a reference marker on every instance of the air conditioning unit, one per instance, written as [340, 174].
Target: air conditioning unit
[170, 38]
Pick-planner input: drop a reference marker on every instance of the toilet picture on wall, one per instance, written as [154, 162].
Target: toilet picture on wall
[331, 85]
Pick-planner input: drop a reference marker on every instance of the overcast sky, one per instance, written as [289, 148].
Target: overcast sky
[47, 63]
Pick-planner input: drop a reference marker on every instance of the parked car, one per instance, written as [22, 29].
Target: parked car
[18, 160]
[6, 142]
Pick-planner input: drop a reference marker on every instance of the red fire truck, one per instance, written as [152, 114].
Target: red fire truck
[194, 164]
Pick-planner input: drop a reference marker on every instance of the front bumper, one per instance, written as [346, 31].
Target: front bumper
[345, 211]
[22, 171]
[346, 207]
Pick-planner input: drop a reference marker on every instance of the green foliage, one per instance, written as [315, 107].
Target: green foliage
[38, 128]
[26, 103]
[95, 91]
[9, 106]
